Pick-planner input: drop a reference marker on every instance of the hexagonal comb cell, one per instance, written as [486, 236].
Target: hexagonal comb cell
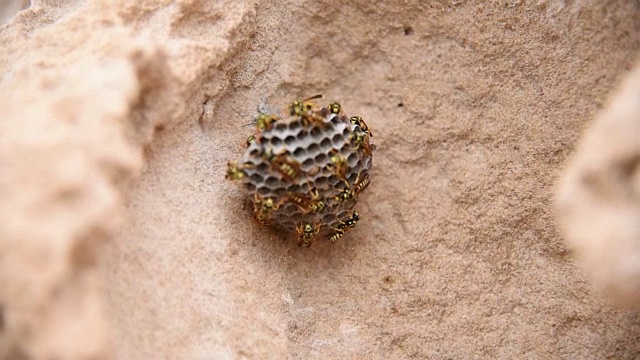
[304, 172]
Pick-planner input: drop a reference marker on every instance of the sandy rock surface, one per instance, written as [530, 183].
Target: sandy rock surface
[599, 197]
[119, 237]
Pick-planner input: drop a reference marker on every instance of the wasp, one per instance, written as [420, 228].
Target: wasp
[344, 195]
[338, 165]
[265, 121]
[361, 141]
[301, 107]
[335, 108]
[234, 172]
[357, 120]
[349, 223]
[262, 209]
[336, 235]
[299, 199]
[305, 108]
[284, 164]
[306, 234]
[316, 205]
[307, 203]
[361, 183]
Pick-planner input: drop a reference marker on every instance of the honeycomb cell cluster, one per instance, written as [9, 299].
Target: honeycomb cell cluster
[304, 172]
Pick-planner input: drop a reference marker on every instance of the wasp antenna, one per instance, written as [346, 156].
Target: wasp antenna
[319, 96]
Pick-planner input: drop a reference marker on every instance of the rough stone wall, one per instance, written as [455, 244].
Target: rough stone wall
[119, 237]
[599, 197]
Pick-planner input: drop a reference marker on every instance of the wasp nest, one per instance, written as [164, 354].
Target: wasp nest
[304, 172]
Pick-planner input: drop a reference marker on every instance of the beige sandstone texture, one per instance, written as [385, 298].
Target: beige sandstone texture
[120, 238]
[599, 197]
